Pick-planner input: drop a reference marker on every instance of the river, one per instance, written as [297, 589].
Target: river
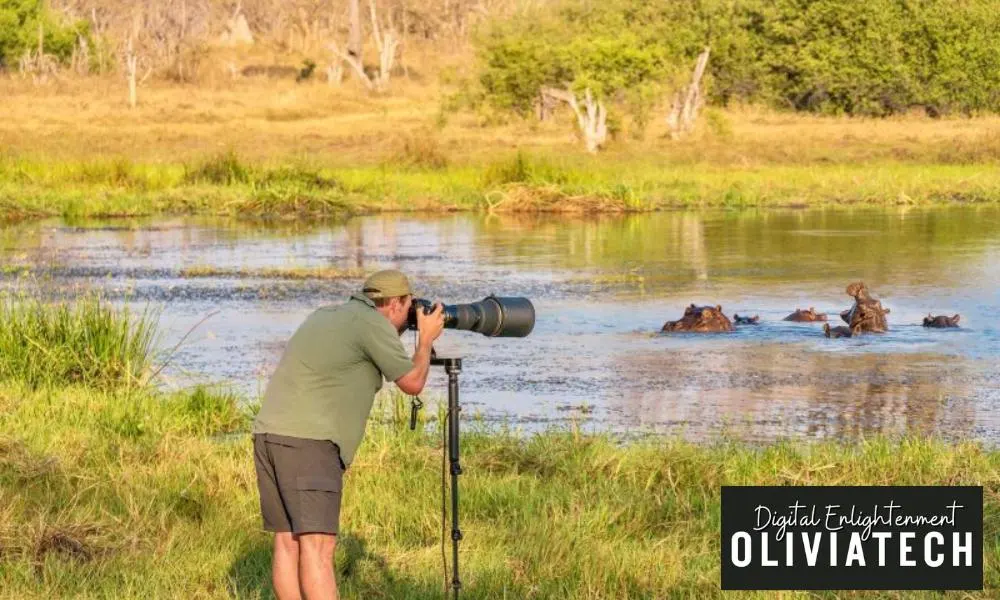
[602, 288]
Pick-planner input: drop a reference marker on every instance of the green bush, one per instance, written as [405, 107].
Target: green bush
[19, 25]
[826, 56]
[607, 60]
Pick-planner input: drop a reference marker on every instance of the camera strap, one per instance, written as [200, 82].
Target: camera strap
[415, 405]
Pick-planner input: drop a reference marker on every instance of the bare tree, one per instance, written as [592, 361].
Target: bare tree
[354, 37]
[592, 118]
[131, 66]
[133, 61]
[688, 103]
[387, 44]
[80, 61]
[354, 63]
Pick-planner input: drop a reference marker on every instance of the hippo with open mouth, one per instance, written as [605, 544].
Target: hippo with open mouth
[941, 321]
[701, 319]
[867, 315]
[805, 316]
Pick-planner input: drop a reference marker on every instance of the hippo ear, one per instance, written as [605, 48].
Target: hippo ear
[956, 318]
[718, 307]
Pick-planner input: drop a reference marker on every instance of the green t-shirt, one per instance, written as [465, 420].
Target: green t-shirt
[325, 383]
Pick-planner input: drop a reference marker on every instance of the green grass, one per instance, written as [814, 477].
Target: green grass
[86, 342]
[228, 185]
[112, 494]
[112, 489]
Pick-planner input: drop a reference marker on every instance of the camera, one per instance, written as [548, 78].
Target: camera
[491, 316]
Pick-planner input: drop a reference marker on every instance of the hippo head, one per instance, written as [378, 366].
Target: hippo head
[867, 315]
[738, 320]
[941, 320]
[806, 316]
[858, 290]
[701, 319]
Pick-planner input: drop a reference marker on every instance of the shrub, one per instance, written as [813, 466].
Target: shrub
[86, 342]
[19, 24]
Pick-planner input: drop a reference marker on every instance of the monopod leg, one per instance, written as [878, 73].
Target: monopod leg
[453, 370]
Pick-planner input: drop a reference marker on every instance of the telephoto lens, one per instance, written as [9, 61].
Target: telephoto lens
[491, 316]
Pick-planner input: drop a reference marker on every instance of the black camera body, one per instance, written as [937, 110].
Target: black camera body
[491, 316]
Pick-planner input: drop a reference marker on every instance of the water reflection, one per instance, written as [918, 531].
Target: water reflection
[772, 392]
[603, 287]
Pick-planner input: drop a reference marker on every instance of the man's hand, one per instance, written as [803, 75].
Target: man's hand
[429, 326]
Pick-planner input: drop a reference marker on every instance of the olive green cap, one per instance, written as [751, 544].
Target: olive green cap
[386, 284]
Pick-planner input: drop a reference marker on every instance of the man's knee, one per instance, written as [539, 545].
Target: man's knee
[318, 545]
[286, 541]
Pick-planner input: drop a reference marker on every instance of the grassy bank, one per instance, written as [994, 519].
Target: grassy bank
[112, 494]
[516, 183]
[282, 150]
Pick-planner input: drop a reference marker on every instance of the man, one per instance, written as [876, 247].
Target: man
[313, 417]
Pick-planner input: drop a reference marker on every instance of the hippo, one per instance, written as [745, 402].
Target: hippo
[867, 315]
[836, 332]
[941, 321]
[700, 319]
[805, 316]
[738, 320]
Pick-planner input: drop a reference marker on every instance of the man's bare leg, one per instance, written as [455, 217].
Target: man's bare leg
[316, 566]
[285, 566]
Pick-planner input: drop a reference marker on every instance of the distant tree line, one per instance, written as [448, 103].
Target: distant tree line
[874, 58]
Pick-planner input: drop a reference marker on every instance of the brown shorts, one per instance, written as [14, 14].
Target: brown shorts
[299, 481]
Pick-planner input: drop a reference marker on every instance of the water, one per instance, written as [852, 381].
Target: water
[602, 288]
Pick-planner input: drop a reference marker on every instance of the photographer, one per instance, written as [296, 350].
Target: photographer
[313, 417]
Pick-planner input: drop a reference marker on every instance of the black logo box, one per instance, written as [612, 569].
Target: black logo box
[739, 514]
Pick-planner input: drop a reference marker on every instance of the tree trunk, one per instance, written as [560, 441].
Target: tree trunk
[386, 45]
[592, 119]
[685, 106]
[354, 37]
[131, 63]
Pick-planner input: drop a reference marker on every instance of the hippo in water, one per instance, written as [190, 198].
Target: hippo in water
[700, 319]
[867, 315]
[805, 316]
[836, 332]
[941, 321]
[738, 320]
